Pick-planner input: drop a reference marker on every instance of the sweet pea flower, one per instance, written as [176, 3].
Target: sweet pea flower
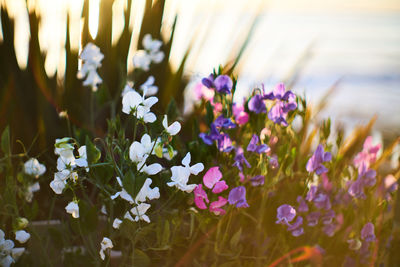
[316, 160]
[82, 160]
[224, 143]
[296, 228]
[277, 114]
[106, 244]
[241, 117]
[200, 196]
[257, 105]
[285, 214]
[222, 122]
[322, 201]
[203, 92]
[73, 209]
[257, 180]
[116, 223]
[240, 160]
[273, 162]
[153, 47]
[22, 236]
[146, 192]
[173, 129]
[368, 155]
[141, 60]
[253, 147]
[223, 84]
[8, 253]
[215, 206]
[92, 58]
[180, 174]
[133, 103]
[313, 218]
[367, 233]
[30, 190]
[34, 168]
[303, 207]
[212, 180]
[237, 196]
[140, 212]
[139, 151]
[123, 193]
[366, 178]
[148, 88]
[285, 102]
[212, 136]
[59, 181]
[208, 81]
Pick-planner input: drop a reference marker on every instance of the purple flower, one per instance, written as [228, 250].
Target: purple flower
[257, 180]
[356, 189]
[313, 218]
[225, 143]
[321, 201]
[212, 136]
[296, 228]
[329, 229]
[209, 81]
[311, 193]
[328, 217]
[241, 117]
[257, 148]
[285, 214]
[368, 175]
[223, 84]
[222, 122]
[367, 233]
[238, 196]
[257, 105]
[240, 160]
[273, 162]
[303, 207]
[316, 160]
[277, 115]
[280, 93]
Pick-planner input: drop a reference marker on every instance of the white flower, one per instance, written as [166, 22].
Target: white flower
[152, 169]
[34, 168]
[139, 151]
[128, 216]
[130, 101]
[103, 210]
[22, 236]
[139, 211]
[117, 223]
[147, 192]
[173, 129]
[82, 160]
[142, 60]
[92, 58]
[59, 181]
[143, 111]
[73, 209]
[148, 87]
[106, 243]
[166, 154]
[127, 89]
[180, 174]
[150, 44]
[31, 189]
[6, 261]
[122, 194]
[17, 252]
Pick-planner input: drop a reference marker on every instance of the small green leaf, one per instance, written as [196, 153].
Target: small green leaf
[159, 150]
[170, 151]
[93, 153]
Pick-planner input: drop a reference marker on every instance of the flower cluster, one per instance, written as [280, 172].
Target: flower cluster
[150, 54]
[33, 168]
[92, 58]
[8, 253]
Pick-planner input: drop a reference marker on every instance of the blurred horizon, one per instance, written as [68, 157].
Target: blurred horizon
[356, 42]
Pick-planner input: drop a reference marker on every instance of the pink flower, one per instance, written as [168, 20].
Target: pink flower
[368, 154]
[241, 117]
[216, 206]
[212, 179]
[199, 196]
[202, 92]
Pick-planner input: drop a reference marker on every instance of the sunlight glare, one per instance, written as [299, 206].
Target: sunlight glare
[93, 17]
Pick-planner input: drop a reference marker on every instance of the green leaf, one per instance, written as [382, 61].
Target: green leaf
[235, 239]
[129, 183]
[93, 153]
[209, 114]
[159, 150]
[172, 110]
[170, 151]
[5, 141]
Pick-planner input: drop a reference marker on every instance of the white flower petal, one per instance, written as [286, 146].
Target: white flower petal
[22, 236]
[195, 169]
[117, 223]
[174, 128]
[73, 209]
[186, 160]
[152, 169]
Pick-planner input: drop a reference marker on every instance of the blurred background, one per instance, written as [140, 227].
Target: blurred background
[351, 45]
